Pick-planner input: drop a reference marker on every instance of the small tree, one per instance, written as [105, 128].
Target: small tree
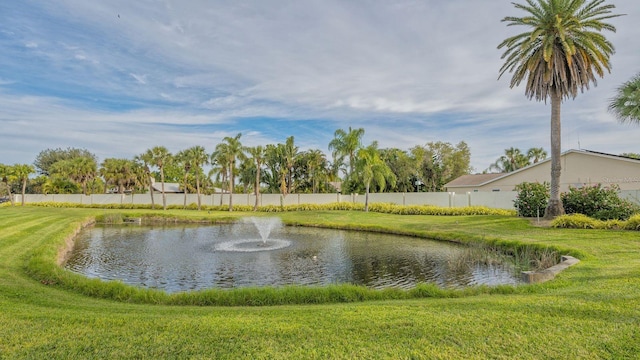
[372, 169]
[21, 172]
[531, 199]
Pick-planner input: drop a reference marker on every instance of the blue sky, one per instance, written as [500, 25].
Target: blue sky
[118, 77]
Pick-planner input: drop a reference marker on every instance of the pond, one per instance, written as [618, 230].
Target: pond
[186, 258]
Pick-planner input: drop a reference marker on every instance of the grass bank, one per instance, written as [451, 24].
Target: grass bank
[589, 311]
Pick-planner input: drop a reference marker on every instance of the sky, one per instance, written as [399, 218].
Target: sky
[119, 77]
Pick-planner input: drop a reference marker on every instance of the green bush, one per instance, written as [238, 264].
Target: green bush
[532, 199]
[602, 203]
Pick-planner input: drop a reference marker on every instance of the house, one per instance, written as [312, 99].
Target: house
[579, 168]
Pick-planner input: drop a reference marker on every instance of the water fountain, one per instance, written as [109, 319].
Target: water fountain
[264, 226]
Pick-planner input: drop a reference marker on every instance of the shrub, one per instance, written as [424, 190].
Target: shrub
[532, 199]
[633, 223]
[576, 221]
[602, 203]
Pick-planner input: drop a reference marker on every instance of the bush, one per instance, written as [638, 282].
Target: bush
[633, 223]
[602, 203]
[576, 221]
[532, 199]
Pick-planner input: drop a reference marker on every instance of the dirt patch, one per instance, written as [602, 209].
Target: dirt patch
[540, 222]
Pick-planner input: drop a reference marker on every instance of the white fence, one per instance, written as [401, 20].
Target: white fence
[498, 200]
[502, 200]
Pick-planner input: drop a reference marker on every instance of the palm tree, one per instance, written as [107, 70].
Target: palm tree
[79, 170]
[231, 148]
[512, 160]
[219, 161]
[290, 154]
[257, 155]
[316, 165]
[561, 54]
[192, 160]
[199, 158]
[535, 155]
[147, 159]
[161, 157]
[373, 169]
[7, 176]
[346, 143]
[626, 104]
[183, 158]
[119, 172]
[21, 172]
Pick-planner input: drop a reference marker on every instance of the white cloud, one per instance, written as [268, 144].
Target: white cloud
[141, 79]
[409, 72]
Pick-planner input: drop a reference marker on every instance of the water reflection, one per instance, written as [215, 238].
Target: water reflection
[184, 258]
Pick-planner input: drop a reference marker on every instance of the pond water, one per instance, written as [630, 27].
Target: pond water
[187, 258]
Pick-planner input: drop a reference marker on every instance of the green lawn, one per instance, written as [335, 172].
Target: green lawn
[592, 310]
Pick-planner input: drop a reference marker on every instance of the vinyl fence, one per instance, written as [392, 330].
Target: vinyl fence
[498, 200]
[503, 200]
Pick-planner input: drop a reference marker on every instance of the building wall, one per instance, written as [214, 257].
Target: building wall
[578, 169]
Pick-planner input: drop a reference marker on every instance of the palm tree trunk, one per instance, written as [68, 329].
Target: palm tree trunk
[153, 203]
[198, 190]
[554, 207]
[185, 189]
[24, 189]
[366, 198]
[257, 187]
[164, 196]
[231, 181]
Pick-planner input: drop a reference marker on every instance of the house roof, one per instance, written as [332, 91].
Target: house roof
[168, 187]
[473, 180]
[483, 179]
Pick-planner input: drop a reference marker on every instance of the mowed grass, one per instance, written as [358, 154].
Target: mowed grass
[592, 310]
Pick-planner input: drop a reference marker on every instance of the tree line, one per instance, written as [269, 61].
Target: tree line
[233, 168]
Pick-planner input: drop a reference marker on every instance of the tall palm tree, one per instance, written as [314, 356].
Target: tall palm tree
[626, 104]
[21, 172]
[199, 158]
[316, 165]
[290, 154]
[183, 158]
[219, 162]
[232, 148]
[561, 54]
[372, 168]
[147, 160]
[257, 155]
[161, 157]
[346, 144]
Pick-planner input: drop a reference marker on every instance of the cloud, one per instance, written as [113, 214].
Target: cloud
[407, 71]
